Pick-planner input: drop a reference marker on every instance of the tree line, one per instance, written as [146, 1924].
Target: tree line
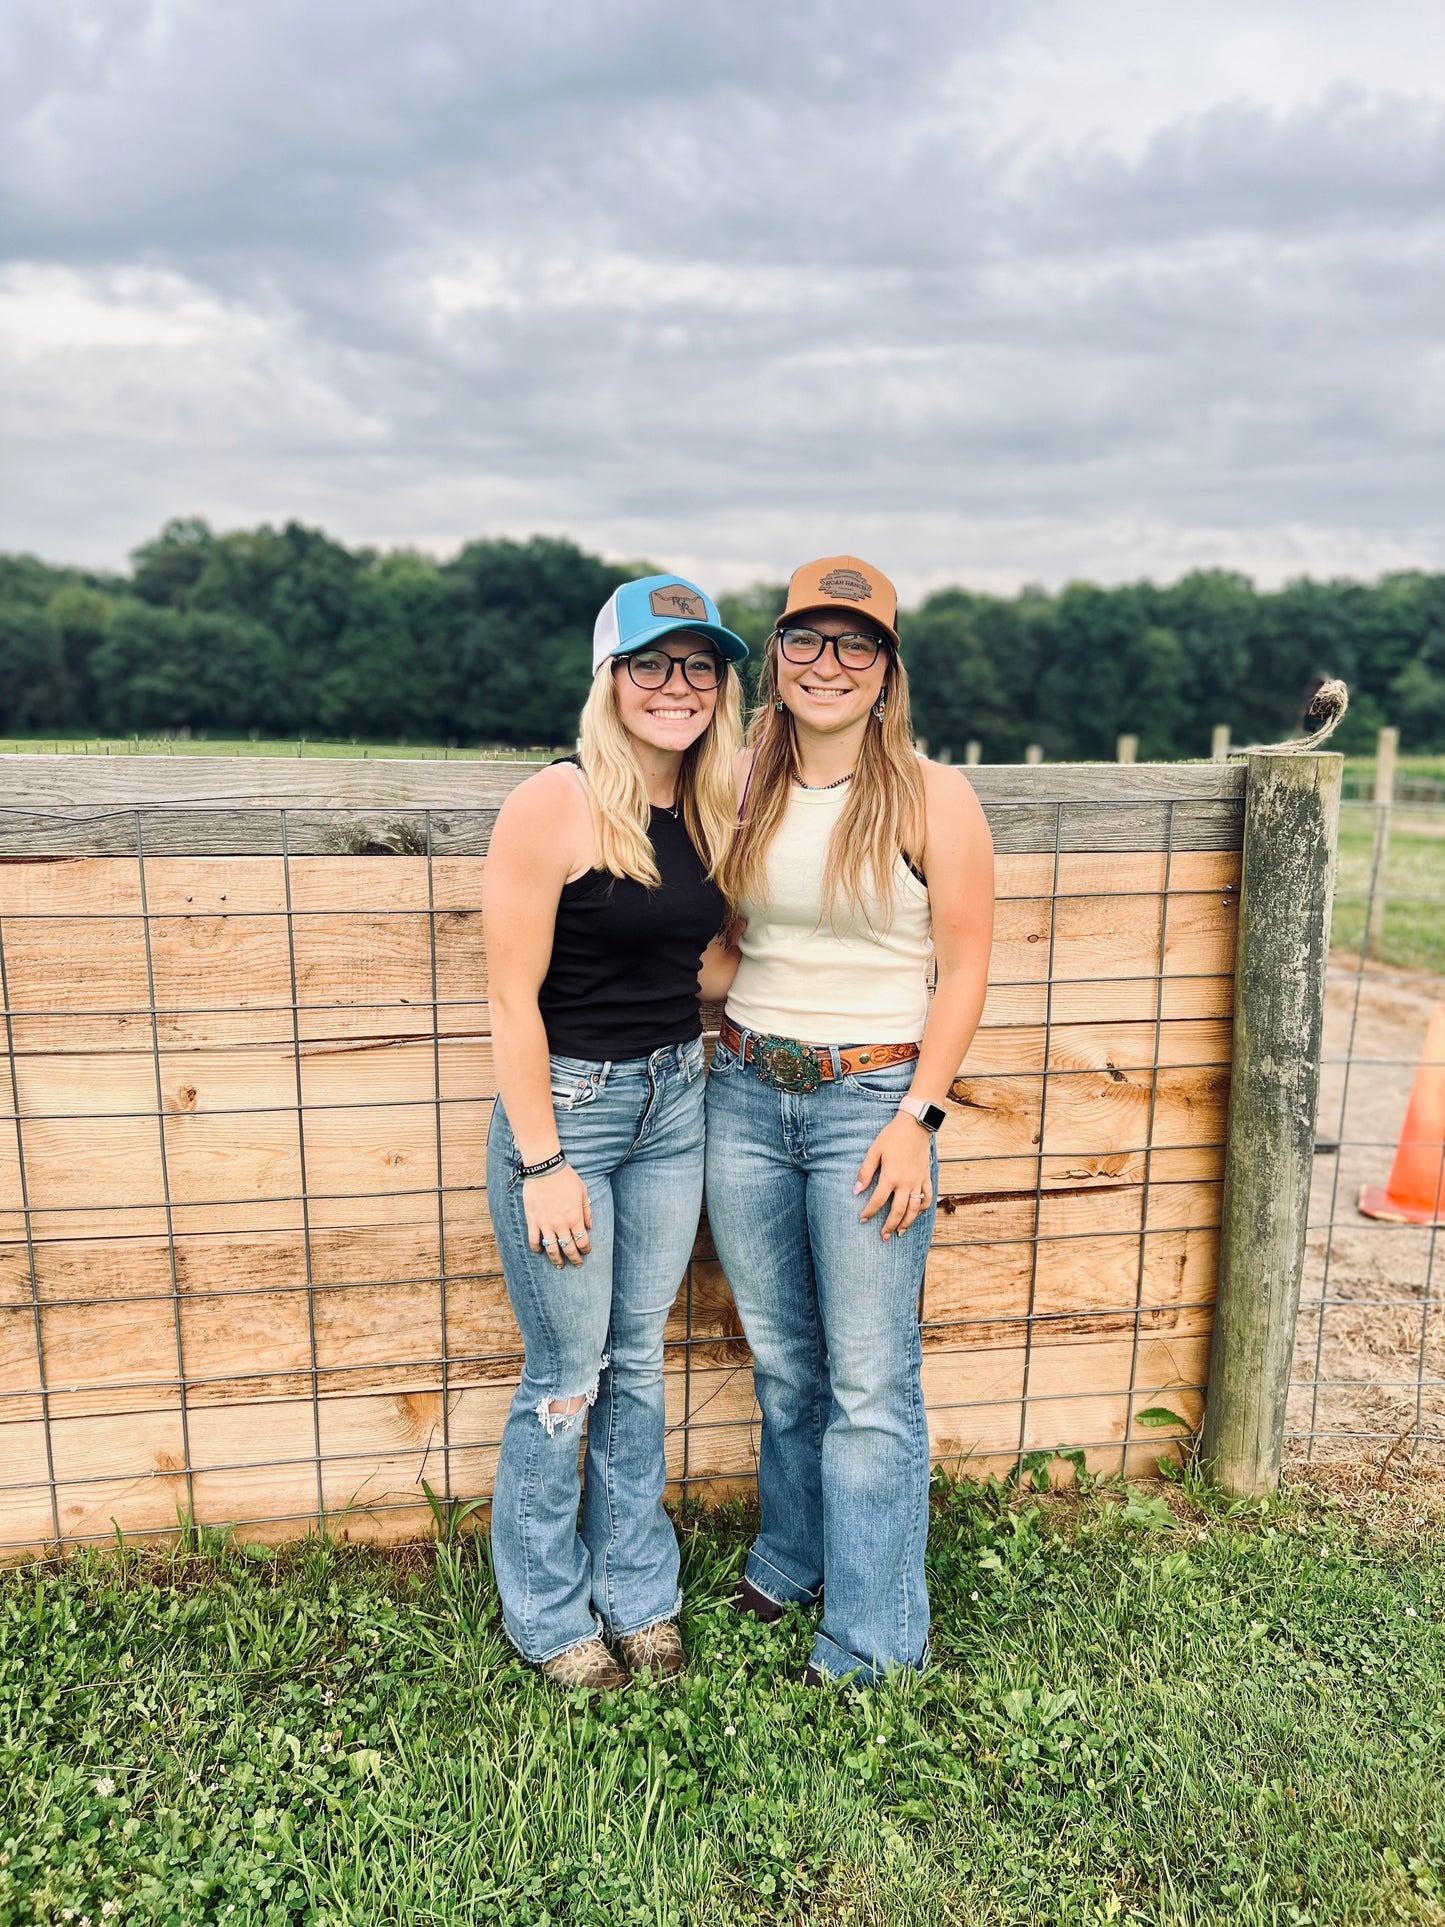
[286, 632]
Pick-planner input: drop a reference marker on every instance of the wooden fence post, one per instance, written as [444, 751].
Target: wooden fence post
[1291, 827]
[972, 752]
[1034, 753]
[1219, 743]
[1383, 797]
[1126, 750]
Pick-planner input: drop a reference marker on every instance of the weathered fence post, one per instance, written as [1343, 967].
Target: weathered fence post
[972, 752]
[1291, 826]
[1126, 749]
[1219, 743]
[1034, 753]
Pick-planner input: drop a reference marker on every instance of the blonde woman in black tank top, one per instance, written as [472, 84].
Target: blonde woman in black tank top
[602, 921]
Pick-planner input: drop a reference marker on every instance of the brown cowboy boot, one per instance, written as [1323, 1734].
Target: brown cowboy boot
[588, 1665]
[656, 1650]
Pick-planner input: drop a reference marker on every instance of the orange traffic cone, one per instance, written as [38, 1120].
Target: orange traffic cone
[1416, 1191]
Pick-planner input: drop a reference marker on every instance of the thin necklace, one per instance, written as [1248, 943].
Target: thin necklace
[837, 784]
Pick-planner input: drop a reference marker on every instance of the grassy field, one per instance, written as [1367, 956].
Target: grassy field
[217, 746]
[1360, 772]
[1412, 880]
[1146, 1707]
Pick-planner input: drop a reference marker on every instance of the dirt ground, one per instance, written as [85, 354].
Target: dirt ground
[1372, 1307]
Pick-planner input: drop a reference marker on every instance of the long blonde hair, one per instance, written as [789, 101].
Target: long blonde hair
[706, 784]
[881, 821]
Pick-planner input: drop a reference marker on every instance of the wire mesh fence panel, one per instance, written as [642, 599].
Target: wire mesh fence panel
[1369, 1373]
[247, 1272]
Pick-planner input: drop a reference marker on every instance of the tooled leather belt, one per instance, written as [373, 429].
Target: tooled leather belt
[790, 1065]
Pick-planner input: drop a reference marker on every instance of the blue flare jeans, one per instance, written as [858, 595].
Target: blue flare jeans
[831, 1314]
[633, 1132]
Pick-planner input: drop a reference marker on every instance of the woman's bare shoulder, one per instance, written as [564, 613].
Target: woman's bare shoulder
[556, 789]
[547, 814]
[952, 804]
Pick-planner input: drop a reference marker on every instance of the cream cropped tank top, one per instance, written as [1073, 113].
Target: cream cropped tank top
[854, 979]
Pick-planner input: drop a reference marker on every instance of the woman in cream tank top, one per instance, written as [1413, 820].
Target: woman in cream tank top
[831, 980]
[858, 870]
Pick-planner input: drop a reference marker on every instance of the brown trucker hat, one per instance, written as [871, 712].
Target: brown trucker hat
[843, 582]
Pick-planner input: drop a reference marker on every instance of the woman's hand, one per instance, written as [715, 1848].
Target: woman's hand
[559, 1215]
[899, 1158]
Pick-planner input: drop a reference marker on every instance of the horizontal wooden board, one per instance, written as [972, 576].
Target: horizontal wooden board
[98, 1268]
[1022, 827]
[101, 1268]
[34, 781]
[243, 886]
[180, 887]
[1059, 1375]
[215, 805]
[238, 1345]
[417, 1071]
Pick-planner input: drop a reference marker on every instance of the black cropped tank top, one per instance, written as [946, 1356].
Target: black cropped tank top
[622, 981]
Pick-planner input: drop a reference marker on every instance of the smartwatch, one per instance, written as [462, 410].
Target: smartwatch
[930, 1116]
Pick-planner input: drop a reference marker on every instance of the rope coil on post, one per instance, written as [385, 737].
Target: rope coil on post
[1326, 712]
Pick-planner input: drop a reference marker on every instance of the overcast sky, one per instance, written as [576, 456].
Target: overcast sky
[992, 291]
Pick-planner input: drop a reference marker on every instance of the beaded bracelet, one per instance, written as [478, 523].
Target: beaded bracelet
[552, 1163]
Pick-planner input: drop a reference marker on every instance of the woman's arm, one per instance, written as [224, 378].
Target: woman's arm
[721, 958]
[719, 966]
[543, 834]
[958, 862]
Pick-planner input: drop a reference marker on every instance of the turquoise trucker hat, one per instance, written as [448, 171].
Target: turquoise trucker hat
[640, 612]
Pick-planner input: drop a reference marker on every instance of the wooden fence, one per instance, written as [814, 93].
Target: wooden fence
[247, 1274]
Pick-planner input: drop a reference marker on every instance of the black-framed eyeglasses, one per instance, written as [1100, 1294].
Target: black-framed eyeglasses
[652, 668]
[802, 646]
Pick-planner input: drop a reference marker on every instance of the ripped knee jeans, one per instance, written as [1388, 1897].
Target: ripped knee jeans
[592, 1385]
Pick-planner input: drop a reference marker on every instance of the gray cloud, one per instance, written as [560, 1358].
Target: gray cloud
[699, 283]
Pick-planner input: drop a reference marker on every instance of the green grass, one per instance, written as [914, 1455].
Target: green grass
[1412, 880]
[216, 746]
[1143, 1709]
[1360, 772]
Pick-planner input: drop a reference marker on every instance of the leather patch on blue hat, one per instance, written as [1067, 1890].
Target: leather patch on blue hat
[847, 585]
[682, 605]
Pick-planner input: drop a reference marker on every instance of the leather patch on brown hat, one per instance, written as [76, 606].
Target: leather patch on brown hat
[847, 585]
[678, 603]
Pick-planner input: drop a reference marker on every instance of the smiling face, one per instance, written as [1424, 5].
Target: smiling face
[824, 695]
[674, 716]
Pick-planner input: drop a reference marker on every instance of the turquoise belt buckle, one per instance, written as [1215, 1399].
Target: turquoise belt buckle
[787, 1065]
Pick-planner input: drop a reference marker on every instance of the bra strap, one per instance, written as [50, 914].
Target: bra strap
[747, 787]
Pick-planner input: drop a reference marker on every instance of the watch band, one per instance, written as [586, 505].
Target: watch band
[930, 1116]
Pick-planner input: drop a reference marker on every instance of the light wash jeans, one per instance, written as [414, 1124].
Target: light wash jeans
[633, 1132]
[831, 1314]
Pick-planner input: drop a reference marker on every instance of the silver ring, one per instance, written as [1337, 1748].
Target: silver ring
[564, 1241]
[546, 1243]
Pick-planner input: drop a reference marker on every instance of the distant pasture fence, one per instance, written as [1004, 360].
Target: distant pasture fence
[247, 1271]
[1369, 1369]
